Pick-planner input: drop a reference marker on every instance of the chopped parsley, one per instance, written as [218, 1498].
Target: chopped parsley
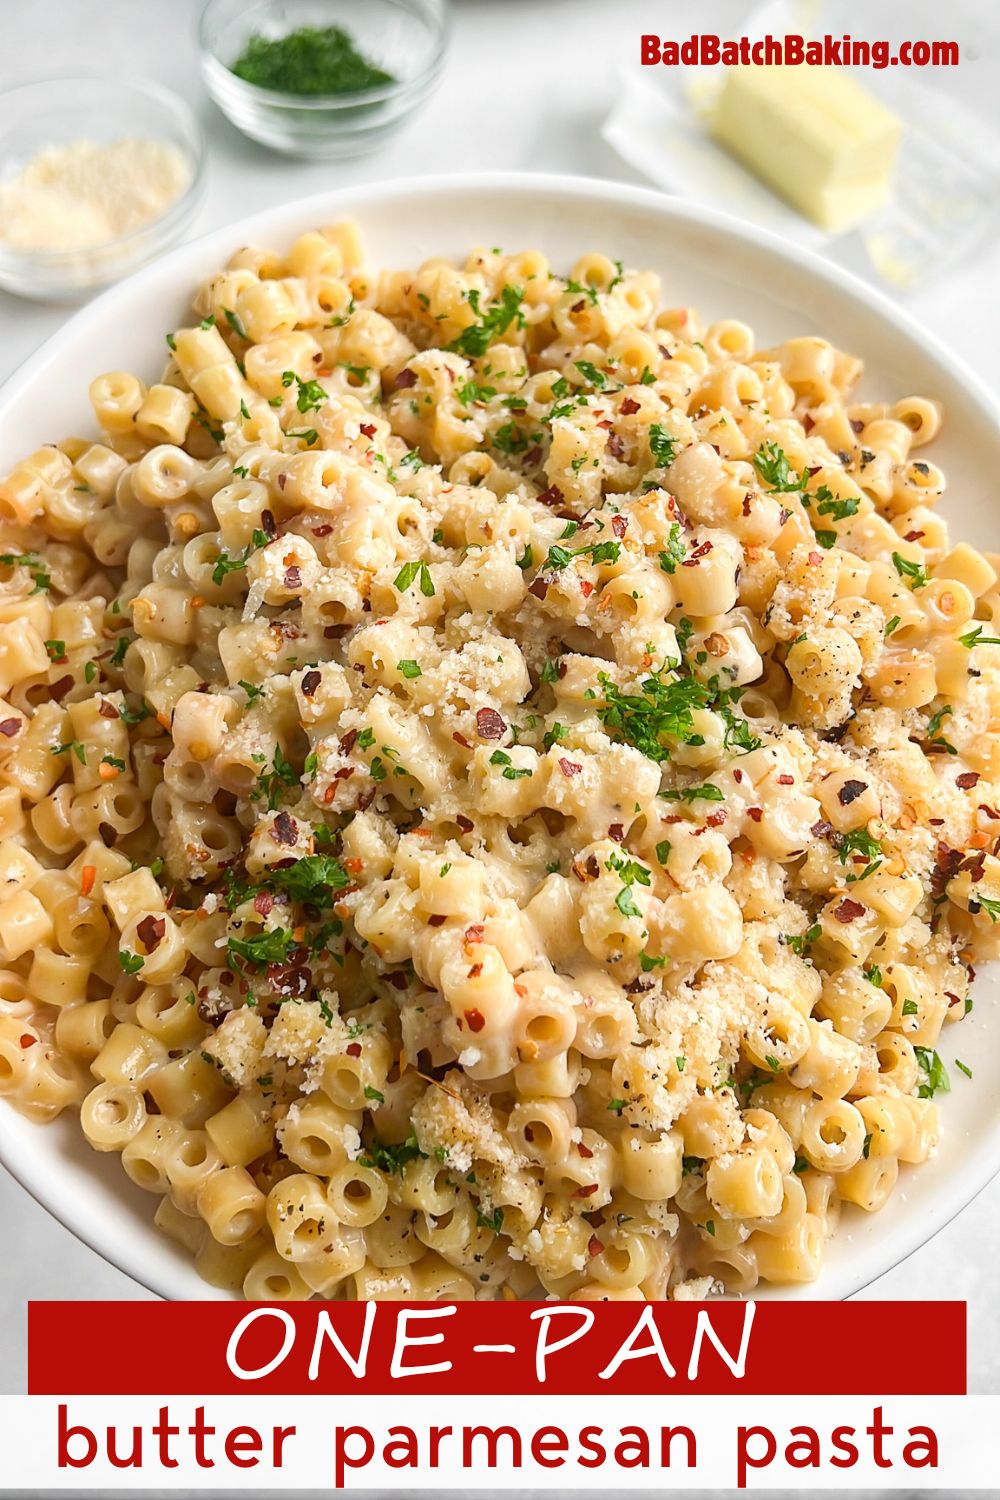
[859, 841]
[272, 784]
[130, 963]
[263, 948]
[491, 322]
[675, 551]
[801, 942]
[662, 711]
[829, 505]
[225, 564]
[392, 1159]
[662, 446]
[33, 563]
[976, 638]
[411, 570]
[935, 1075]
[77, 748]
[493, 1221]
[774, 469]
[707, 793]
[311, 395]
[917, 576]
[409, 668]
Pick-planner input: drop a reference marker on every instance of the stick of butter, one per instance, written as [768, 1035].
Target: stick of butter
[812, 134]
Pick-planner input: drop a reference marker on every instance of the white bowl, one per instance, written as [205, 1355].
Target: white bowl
[727, 269]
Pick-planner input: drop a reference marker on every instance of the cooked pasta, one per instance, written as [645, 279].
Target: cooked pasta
[499, 783]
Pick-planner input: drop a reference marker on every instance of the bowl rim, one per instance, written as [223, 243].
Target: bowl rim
[982, 1166]
[176, 213]
[222, 73]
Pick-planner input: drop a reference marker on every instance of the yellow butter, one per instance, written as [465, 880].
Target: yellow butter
[814, 135]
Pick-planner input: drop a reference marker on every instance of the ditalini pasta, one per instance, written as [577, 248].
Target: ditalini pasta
[498, 783]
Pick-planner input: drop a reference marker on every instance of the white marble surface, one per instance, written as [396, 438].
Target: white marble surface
[527, 84]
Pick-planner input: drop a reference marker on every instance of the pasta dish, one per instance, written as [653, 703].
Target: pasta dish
[497, 783]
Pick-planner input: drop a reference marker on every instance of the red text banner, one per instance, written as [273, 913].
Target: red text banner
[496, 1348]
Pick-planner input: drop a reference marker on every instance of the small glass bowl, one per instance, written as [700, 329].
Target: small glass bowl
[62, 111]
[408, 38]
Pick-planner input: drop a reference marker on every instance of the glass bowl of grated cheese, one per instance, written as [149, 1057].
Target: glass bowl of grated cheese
[96, 177]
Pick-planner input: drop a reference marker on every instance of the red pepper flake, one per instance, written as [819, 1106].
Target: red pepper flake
[586, 587]
[629, 406]
[617, 832]
[285, 830]
[756, 813]
[150, 932]
[405, 380]
[466, 824]
[59, 689]
[311, 682]
[539, 587]
[27, 1040]
[849, 911]
[821, 828]
[262, 903]
[436, 920]
[293, 578]
[716, 819]
[475, 1020]
[583, 1150]
[9, 727]
[913, 536]
[268, 523]
[746, 505]
[589, 870]
[850, 792]
[353, 1049]
[702, 550]
[465, 744]
[952, 998]
[489, 724]
[619, 525]
[569, 767]
[346, 744]
[966, 781]
[586, 1192]
[552, 496]
[474, 934]
[815, 558]
[323, 530]
[368, 428]
[785, 780]
[107, 710]
[615, 447]
[594, 1246]
[344, 774]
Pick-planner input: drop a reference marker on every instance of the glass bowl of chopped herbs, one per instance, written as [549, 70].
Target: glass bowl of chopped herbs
[322, 78]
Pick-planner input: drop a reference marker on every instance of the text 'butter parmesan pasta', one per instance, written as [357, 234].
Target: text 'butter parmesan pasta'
[498, 783]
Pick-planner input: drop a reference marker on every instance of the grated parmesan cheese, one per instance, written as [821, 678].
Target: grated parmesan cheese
[82, 195]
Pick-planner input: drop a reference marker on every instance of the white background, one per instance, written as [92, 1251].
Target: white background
[527, 85]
